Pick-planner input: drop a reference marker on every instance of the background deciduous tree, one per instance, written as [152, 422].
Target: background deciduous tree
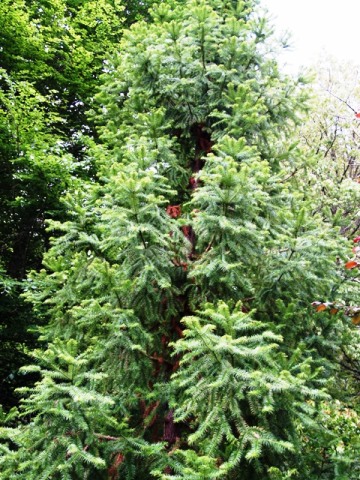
[330, 174]
[51, 56]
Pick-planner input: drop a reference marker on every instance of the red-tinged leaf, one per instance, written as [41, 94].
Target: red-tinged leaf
[321, 307]
[356, 319]
[357, 115]
[356, 239]
[174, 211]
[334, 311]
[351, 264]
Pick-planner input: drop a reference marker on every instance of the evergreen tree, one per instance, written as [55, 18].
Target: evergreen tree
[182, 343]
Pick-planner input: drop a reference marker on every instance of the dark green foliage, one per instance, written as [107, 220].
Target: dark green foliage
[51, 56]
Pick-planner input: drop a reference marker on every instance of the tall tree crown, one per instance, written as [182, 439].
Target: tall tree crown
[179, 292]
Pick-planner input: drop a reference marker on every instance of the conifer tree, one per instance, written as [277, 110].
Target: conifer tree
[181, 341]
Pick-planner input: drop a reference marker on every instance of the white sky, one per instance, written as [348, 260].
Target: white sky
[318, 26]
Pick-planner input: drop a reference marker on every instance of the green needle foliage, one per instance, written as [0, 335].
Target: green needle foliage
[180, 341]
